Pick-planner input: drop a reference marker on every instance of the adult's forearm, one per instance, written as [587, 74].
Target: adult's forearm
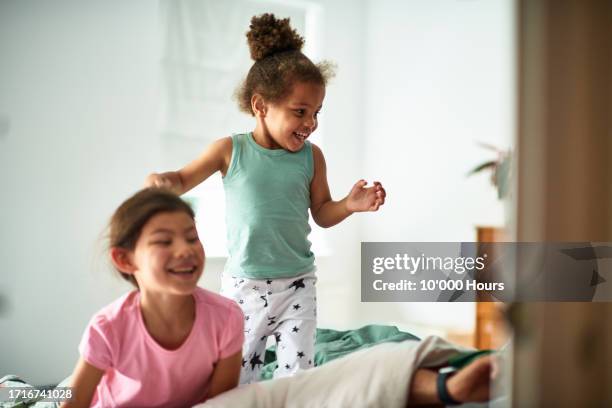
[422, 389]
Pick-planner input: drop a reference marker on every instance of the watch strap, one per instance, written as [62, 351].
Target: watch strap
[443, 393]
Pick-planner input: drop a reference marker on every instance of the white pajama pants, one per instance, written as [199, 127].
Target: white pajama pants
[284, 308]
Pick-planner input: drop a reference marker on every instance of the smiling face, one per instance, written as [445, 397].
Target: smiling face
[168, 256]
[288, 123]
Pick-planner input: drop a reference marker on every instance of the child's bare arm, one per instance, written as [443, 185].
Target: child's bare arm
[225, 375]
[215, 157]
[84, 381]
[327, 212]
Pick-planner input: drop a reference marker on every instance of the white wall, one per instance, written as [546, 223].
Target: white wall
[78, 90]
[440, 76]
[78, 86]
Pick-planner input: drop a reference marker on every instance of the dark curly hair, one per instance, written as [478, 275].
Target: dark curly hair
[279, 63]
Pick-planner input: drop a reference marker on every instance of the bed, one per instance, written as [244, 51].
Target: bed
[367, 367]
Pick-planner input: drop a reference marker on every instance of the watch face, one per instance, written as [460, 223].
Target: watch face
[444, 370]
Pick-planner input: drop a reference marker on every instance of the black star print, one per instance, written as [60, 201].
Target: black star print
[269, 282]
[310, 362]
[298, 284]
[277, 336]
[241, 280]
[296, 306]
[243, 362]
[262, 338]
[255, 287]
[287, 366]
[246, 317]
[300, 354]
[255, 361]
[269, 292]
[241, 301]
[265, 299]
[271, 320]
[295, 329]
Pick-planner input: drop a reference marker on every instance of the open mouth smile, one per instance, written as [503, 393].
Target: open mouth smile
[183, 271]
[301, 136]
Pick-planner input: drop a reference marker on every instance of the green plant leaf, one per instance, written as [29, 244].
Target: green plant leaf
[490, 164]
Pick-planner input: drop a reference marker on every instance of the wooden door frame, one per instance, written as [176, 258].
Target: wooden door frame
[563, 351]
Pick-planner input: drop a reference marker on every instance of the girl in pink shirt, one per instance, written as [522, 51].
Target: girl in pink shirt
[168, 343]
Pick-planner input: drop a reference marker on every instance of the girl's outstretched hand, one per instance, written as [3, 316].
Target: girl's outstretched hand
[362, 198]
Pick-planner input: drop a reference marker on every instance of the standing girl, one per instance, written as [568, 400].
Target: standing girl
[272, 176]
[168, 343]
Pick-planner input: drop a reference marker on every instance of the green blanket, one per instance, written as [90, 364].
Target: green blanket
[332, 344]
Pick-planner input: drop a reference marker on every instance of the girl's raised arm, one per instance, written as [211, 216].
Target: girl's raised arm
[225, 375]
[327, 212]
[216, 157]
[84, 381]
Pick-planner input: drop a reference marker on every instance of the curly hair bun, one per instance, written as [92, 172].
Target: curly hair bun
[269, 35]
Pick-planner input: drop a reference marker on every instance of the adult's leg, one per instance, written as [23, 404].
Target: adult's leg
[386, 375]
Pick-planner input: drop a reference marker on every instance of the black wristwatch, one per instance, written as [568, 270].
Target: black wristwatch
[443, 394]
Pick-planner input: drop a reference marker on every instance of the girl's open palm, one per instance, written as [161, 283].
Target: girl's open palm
[362, 198]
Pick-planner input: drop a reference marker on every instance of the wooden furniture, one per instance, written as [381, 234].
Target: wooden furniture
[491, 329]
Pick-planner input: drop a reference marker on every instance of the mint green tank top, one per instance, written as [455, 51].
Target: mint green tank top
[267, 196]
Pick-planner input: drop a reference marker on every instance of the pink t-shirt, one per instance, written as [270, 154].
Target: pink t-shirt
[141, 373]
